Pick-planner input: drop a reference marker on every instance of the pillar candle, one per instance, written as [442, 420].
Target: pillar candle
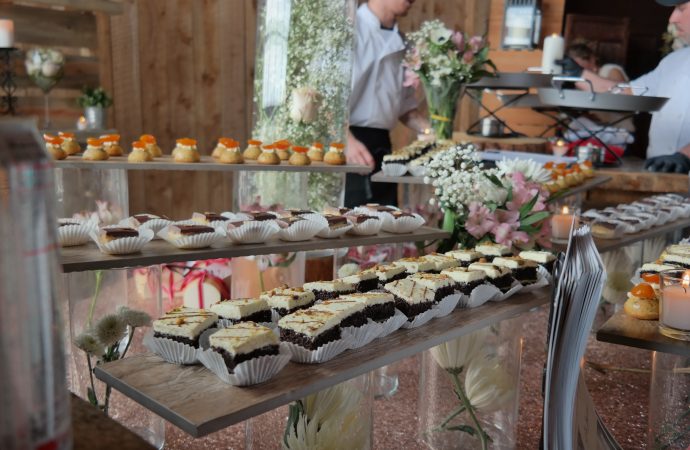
[675, 307]
[560, 224]
[554, 48]
[6, 33]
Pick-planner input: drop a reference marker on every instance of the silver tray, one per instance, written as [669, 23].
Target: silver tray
[512, 80]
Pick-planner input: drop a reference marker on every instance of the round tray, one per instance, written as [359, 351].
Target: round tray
[512, 80]
[576, 99]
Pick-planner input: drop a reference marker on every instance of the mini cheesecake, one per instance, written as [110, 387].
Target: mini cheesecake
[443, 285]
[243, 310]
[523, 270]
[491, 250]
[441, 262]
[242, 342]
[500, 277]
[677, 249]
[545, 259]
[177, 231]
[414, 265]
[285, 300]
[465, 257]
[350, 312]
[363, 281]
[466, 280]
[378, 306]
[676, 260]
[208, 217]
[325, 290]
[106, 235]
[657, 267]
[309, 328]
[411, 297]
[388, 272]
[184, 325]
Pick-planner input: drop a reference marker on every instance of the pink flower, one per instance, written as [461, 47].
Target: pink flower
[459, 40]
[506, 231]
[480, 220]
[413, 59]
[411, 79]
[476, 43]
[544, 236]
[468, 56]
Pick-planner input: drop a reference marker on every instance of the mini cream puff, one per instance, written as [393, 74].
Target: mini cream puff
[268, 156]
[299, 156]
[335, 155]
[232, 155]
[253, 150]
[94, 150]
[642, 302]
[111, 145]
[315, 152]
[54, 146]
[69, 145]
[185, 151]
[139, 153]
[151, 145]
[282, 149]
[223, 144]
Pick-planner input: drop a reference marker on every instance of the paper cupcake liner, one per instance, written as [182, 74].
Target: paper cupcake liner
[394, 169]
[361, 336]
[253, 232]
[417, 170]
[541, 282]
[123, 246]
[367, 228]
[71, 235]
[196, 241]
[155, 225]
[420, 319]
[329, 233]
[225, 323]
[304, 229]
[447, 305]
[480, 295]
[517, 287]
[322, 354]
[393, 324]
[247, 373]
[662, 217]
[384, 217]
[231, 215]
[171, 351]
[404, 224]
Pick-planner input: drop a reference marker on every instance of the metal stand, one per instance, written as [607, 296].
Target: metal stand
[8, 100]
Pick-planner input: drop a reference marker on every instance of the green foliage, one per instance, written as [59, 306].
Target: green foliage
[94, 97]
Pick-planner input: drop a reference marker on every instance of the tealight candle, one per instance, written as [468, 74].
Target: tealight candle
[561, 223]
[559, 148]
[674, 309]
[554, 48]
[427, 135]
[81, 123]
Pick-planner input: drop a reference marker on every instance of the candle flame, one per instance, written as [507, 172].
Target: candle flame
[427, 131]
[686, 279]
[566, 210]
[82, 119]
[560, 142]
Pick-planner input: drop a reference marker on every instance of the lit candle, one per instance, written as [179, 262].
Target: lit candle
[559, 148]
[427, 135]
[675, 304]
[6, 33]
[560, 224]
[81, 123]
[554, 49]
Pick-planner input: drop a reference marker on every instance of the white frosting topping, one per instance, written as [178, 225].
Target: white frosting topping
[413, 265]
[490, 270]
[411, 291]
[464, 275]
[678, 259]
[432, 280]
[513, 262]
[464, 255]
[654, 267]
[330, 286]
[185, 322]
[536, 256]
[362, 276]
[244, 337]
[309, 322]
[384, 272]
[342, 307]
[288, 298]
[491, 249]
[442, 261]
[238, 308]
[185, 147]
[369, 298]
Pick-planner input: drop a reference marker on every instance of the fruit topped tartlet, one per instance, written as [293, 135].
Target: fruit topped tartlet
[185, 151]
[94, 150]
[299, 156]
[315, 152]
[151, 145]
[335, 155]
[139, 153]
[253, 150]
[54, 146]
[111, 145]
[69, 144]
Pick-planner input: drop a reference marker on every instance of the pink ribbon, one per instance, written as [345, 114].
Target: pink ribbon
[201, 276]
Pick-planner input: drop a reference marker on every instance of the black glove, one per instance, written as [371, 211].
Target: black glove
[677, 162]
[570, 67]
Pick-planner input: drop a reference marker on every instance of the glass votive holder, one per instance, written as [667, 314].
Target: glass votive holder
[674, 308]
[561, 223]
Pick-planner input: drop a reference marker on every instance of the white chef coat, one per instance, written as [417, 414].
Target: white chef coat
[670, 128]
[378, 97]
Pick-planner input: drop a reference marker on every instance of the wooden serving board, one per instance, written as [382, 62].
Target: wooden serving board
[195, 400]
[625, 330]
[89, 257]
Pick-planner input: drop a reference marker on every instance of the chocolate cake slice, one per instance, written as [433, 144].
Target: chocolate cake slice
[309, 328]
[411, 297]
[325, 290]
[184, 325]
[243, 310]
[378, 306]
[465, 278]
[110, 234]
[284, 300]
[350, 312]
[523, 270]
[500, 277]
[242, 342]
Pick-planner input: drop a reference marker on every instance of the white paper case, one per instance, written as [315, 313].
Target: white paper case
[253, 232]
[322, 354]
[517, 287]
[361, 336]
[367, 228]
[440, 309]
[78, 234]
[393, 323]
[155, 225]
[480, 295]
[385, 217]
[328, 233]
[247, 373]
[171, 351]
[403, 224]
[303, 230]
[195, 241]
[123, 246]
[417, 170]
[394, 169]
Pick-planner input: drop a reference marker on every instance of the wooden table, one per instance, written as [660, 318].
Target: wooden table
[194, 399]
[89, 257]
[625, 330]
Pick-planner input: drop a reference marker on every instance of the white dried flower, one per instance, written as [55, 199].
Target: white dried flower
[348, 269]
[88, 343]
[488, 192]
[304, 104]
[134, 318]
[532, 170]
[110, 329]
[458, 353]
[487, 384]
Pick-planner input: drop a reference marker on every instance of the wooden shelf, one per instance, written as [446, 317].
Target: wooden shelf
[195, 400]
[625, 330]
[89, 257]
[207, 164]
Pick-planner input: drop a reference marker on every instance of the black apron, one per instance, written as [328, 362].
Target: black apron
[358, 188]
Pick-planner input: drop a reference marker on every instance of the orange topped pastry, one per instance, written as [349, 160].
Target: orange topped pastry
[335, 155]
[642, 302]
[139, 153]
[231, 153]
[268, 155]
[111, 144]
[223, 144]
[315, 152]
[69, 145]
[94, 150]
[54, 146]
[253, 150]
[299, 156]
[186, 151]
[151, 145]
[282, 149]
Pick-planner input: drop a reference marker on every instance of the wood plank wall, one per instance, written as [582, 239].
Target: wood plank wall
[73, 33]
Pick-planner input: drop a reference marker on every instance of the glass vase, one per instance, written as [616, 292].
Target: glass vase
[87, 193]
[669, 408]
[442, 101]
[93, 295]
[253, 275]
[469, 386]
